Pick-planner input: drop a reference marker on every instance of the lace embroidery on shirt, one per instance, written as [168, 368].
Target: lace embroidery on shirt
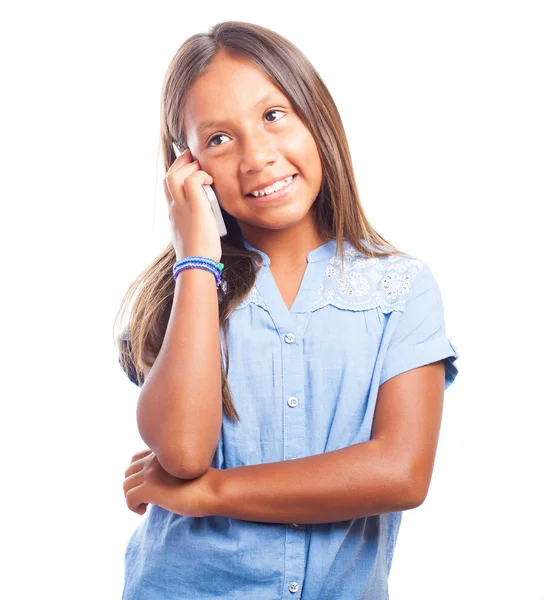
[367, 282]
[364, 284]
[254, 297]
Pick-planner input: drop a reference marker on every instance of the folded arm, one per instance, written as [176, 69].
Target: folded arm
[389, 473]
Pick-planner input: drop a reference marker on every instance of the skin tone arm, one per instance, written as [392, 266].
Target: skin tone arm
[179, 406]
[390, 472]
[352, 482]
[349, 483]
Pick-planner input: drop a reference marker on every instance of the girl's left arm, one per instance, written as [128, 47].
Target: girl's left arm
[389, 473]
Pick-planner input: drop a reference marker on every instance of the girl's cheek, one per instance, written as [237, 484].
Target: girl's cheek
[298, 141]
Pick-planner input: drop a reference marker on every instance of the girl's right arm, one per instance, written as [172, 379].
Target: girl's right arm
[179, 412]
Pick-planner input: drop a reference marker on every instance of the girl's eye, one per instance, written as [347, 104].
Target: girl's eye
[274, 110]
[222, 134]
[213, 138]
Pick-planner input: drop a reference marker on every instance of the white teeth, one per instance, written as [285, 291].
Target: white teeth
[273, 188]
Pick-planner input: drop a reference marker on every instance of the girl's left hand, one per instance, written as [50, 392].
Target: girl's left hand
[146, 482]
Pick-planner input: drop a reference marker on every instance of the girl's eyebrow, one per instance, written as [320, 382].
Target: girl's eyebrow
[212, 124]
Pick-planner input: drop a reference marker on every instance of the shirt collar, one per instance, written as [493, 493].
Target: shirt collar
[323, 252]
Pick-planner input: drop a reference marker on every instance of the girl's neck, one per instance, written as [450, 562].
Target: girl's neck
[286, 247]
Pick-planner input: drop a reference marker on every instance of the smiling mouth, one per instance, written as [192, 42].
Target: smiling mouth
[263, 197]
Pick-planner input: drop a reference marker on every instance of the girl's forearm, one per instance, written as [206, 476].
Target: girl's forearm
[357, 481]
[179, 409]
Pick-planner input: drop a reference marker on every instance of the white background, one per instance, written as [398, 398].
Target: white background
[443, 107]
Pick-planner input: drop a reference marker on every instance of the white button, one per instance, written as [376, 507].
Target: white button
[292, 401]
[295, 524]
[289, 338]
[293, 586]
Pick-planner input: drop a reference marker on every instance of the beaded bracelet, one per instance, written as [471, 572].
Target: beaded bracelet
[199, 262]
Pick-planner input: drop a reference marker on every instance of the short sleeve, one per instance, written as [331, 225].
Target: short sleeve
[125, 352]
[420, 335]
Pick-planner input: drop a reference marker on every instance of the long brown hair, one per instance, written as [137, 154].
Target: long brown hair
[337, 210]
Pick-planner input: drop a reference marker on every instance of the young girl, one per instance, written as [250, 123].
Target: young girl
[291, 394]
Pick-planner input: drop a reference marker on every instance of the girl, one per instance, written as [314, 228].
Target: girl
[291, 395]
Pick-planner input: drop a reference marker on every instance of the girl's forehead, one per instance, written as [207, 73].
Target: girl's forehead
[234, 79]
[222, 94]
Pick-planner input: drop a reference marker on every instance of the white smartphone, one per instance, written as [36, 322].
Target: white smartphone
[212, 198]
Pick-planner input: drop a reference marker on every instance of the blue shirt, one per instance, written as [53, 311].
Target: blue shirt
[304, 382]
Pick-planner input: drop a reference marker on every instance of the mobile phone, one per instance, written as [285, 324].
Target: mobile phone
[212, 198]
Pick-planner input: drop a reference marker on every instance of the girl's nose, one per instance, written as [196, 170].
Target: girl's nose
[258, 151]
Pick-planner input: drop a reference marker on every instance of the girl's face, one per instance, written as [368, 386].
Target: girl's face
[256, 137]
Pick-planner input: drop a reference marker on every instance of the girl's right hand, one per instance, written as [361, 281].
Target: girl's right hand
[192, 222]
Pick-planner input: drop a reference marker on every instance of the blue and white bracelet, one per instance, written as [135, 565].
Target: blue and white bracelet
[199, 262]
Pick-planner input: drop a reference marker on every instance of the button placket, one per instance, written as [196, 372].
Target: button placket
[292, 401]
[294, 440]
[293, 587]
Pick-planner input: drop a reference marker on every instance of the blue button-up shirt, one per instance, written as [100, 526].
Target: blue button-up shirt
[304, 381]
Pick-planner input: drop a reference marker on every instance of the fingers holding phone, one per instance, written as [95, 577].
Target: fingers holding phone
[212, 199]
[192, 220]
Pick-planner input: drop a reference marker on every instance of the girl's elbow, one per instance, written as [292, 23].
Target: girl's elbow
[182, 468]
